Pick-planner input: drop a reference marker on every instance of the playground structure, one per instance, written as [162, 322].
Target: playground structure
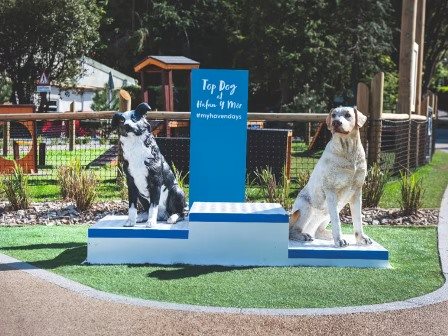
[164, 66]
[28, 161]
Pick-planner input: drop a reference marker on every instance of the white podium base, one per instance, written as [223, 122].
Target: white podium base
[227, 234]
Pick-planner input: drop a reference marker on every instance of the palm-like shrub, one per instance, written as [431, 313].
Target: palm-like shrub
[411, 193]
[374, 186]
[78, 185]
[14, 186]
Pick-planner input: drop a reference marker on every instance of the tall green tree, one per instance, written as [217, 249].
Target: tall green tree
[5, 89]
[45, 35]
[436, 38]
[327, 46]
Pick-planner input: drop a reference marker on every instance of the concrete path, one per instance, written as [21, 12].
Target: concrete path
[442, 139]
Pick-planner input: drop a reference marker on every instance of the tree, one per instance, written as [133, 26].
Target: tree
[45, 35]
[5, 89]
[101, 100]
[327, 46]
[131, 30]
[436, 38]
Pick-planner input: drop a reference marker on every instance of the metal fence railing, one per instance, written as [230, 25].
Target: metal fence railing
[293, 146]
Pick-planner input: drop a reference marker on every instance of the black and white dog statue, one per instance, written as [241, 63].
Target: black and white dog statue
[149, 177]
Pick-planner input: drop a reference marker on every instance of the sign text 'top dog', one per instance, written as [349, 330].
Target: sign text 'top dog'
[218, 133]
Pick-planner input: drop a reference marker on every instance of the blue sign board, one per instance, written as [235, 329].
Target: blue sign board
[218, 133]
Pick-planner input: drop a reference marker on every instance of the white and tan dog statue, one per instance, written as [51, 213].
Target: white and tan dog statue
[336, 180]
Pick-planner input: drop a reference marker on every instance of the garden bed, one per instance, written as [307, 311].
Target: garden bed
[64, 213]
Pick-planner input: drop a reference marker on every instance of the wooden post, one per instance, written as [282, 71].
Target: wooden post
[6, 137]
[42, 153]
[405, 68]
[16, 150]
[71, 129]
[144, 92]
[420, 40]
[376, 115]
[424, 111]
[124, 99]
[288, 155]
[362, 104]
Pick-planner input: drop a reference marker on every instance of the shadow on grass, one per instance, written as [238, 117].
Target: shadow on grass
[74, 255]
[44, 246]
[189, 271]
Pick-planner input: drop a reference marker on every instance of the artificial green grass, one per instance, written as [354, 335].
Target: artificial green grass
[413, 255]
[50, 191]
[435, 181]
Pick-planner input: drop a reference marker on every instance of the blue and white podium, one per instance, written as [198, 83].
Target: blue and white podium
[221, 233]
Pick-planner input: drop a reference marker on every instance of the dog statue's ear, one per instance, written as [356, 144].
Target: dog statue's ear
[116, 120]
[328, 120]
[360, 118]
[142, 109]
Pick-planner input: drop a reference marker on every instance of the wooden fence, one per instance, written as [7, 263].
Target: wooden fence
[400, 139]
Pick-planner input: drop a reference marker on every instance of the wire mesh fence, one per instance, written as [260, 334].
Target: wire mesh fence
[287, 148]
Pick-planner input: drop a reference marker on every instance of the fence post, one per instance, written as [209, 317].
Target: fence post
[6, 137]
[71, 129]
[124, 99]
[42, 153]
[124, 105]
[362, 104]
[16, 150]
[376, 115]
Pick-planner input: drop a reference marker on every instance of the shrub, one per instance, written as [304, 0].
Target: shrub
[252, 191]
[272, 191]
[66, 176]
[302, 179]
[15, 188]
[77, 185]
[180, 178]
[374, 186]
[411, 193]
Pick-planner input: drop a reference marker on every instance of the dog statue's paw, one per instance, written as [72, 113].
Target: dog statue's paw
[340, 242]
[173, 219]
[129, 223]
[362, 239]
[151, 223]
[300, 236]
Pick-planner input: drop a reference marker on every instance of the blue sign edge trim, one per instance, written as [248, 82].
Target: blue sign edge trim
[236, 217]
[337, 254]
[136, 233]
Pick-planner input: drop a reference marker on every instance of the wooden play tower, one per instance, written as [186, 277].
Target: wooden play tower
[164, 66]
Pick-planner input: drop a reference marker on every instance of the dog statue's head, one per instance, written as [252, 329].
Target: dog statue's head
[132, 123]
[343, 120]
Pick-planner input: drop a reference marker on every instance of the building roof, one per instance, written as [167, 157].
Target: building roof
[94, 73]
[166, 63]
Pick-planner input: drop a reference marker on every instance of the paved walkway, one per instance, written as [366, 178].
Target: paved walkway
[31, 305]
[442, 139]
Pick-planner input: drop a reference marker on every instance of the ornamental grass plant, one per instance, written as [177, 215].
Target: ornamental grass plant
[15, 188]
[374, 185]
[412, 193]
[78, 185]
